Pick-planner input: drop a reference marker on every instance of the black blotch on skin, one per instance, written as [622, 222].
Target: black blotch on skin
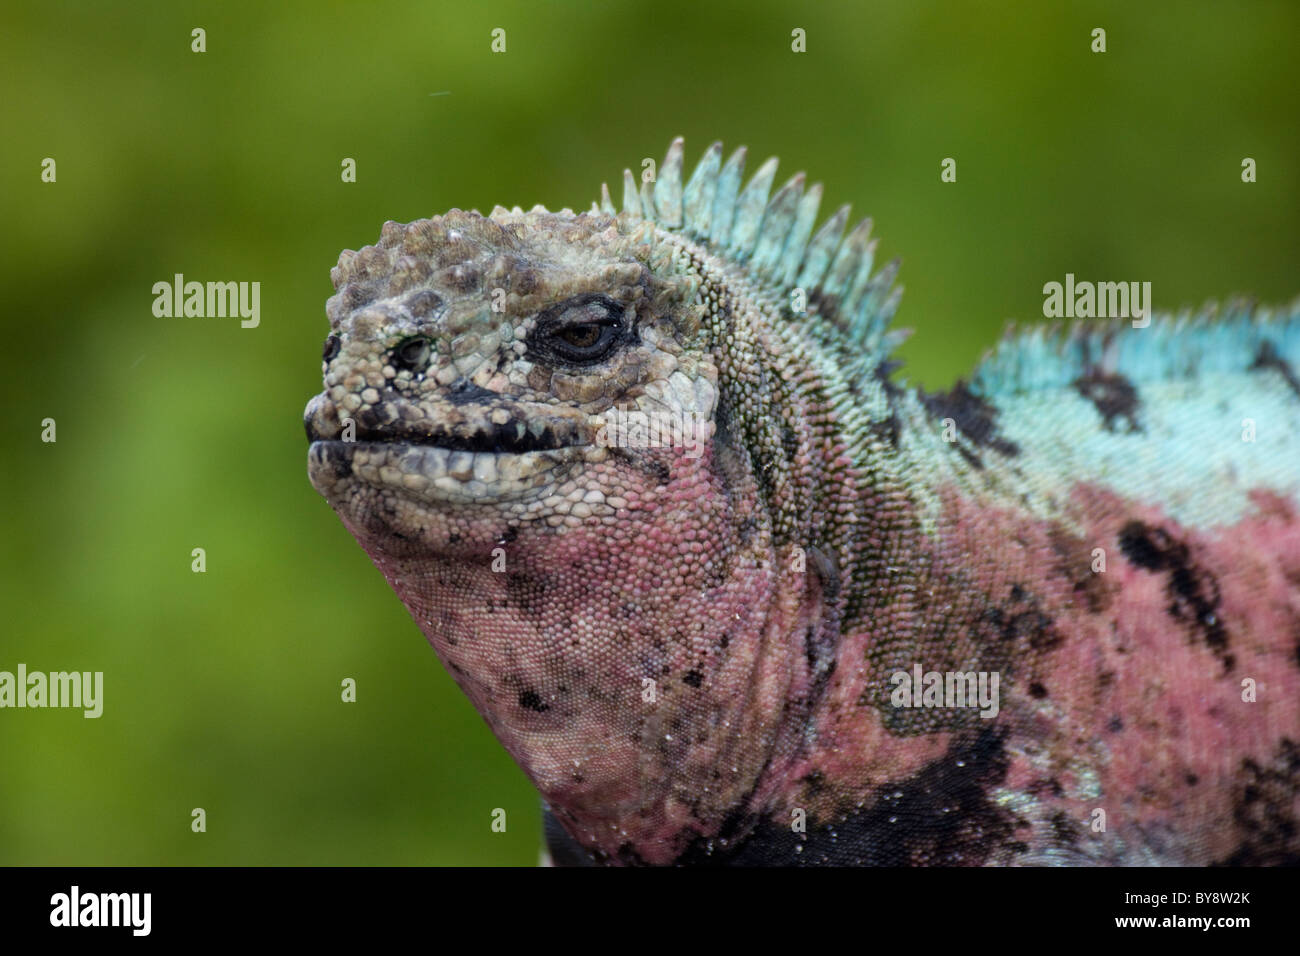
[814, 782]
[1115, 725]
[789, 441]
[1042, 635]
[339, 458]
[889, 428]
[1065, 829]
[372, 421]
[1021, 620]
[976, 418]
[823, 303]
[1113, 396]
[657, 470]
[1037, 690]
[693, 678]
[1050, 786]
[942, 816]
[1192, 779]
[1146, 547]
[717, 574]
[827, 568]
[811, 652]
[972, 459]
[1264, 810]
[531, 700]
[1192, 590]
[1269, 359]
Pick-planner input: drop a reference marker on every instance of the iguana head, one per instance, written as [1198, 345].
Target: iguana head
[487, 362]
[570, 454]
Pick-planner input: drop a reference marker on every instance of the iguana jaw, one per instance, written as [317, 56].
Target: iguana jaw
[484, 453]
[435, 476]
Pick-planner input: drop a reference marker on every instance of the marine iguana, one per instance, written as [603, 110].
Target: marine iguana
[731, 591]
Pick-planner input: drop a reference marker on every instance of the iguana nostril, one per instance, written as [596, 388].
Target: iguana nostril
[332, 346]
[412, 353]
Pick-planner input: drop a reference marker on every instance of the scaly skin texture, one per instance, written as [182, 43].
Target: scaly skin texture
[689, 647]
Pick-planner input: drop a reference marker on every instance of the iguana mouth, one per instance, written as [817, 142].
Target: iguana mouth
[485, 454]
[511, 437]
[499, 428]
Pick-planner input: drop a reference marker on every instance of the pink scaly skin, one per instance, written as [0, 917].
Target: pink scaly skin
[1155, 733]
[692, 648]
[541, 628]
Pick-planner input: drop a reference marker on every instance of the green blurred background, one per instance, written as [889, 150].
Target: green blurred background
[223, 688]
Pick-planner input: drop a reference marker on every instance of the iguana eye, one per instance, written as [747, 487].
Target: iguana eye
[580, 331]
[589, 342]
[583, 336]
[411, 353]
